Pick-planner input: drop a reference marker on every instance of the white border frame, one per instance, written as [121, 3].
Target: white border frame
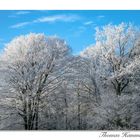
[64, 5]
[70, 4]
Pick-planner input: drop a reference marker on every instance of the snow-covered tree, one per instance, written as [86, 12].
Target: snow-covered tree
[114, 66]
[32, 65]
[112, 50]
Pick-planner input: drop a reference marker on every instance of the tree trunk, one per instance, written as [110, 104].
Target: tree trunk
[118, 89]
[36, 119]
[79, 110]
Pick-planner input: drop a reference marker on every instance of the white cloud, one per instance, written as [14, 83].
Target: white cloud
[101, 16]
[18, 25]
[22, 12]
[18, 13]
[55, 18]
[88, 23]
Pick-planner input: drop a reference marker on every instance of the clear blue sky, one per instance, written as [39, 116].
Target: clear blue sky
[76, 27]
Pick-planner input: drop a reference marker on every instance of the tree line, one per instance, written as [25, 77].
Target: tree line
[43, 86]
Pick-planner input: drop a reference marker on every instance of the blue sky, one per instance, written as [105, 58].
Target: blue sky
[76, 27]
